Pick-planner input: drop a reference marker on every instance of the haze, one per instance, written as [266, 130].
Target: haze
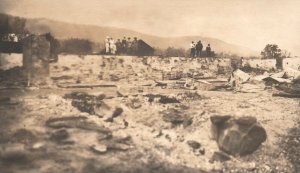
[252, 24]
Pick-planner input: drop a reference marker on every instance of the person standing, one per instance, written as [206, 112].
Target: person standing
[107, 46]
[112, 46]
[199, 48]
[129, 45]
[208, 51]
[124, 45]
[193, 49]
[118, 46]
[134, 46]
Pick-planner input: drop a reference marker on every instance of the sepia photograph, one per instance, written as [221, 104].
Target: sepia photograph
[149, 86]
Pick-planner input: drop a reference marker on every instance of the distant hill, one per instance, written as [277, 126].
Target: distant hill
[63, 30]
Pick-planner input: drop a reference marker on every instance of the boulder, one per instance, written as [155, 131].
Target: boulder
[237, 136]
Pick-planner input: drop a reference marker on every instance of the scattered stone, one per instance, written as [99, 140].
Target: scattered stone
[125, 123]
[38, 146]
[134, 103]
[99, 149]
[237, 136]
[219, 157]
[190, 96]
[202, 151]
[194, 144]
[167, 100]
[59, 136]
[162, 98]
[176, 117]
[64, 77]
[24, 136]
[117, 112]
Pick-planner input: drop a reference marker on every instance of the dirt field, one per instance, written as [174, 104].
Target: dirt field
[135, 126]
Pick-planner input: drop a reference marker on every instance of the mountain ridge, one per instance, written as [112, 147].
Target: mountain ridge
[95, 33]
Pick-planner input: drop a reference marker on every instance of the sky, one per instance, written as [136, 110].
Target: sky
[249, 23]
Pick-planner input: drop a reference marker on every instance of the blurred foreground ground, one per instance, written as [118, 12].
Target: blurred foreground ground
[132, 125]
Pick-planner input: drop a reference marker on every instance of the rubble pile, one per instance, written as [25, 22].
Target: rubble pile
[129, 114]
[285, 81]
[85, 102]
[131, 69]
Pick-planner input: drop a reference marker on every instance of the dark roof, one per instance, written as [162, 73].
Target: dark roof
[144, 48]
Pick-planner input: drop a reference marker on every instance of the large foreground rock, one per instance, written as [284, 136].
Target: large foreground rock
[237, 136]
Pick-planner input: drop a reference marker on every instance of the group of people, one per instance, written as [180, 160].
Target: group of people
[125, 46]
[196, 49]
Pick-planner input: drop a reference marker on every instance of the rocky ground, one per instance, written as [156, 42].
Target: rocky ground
[138, 128]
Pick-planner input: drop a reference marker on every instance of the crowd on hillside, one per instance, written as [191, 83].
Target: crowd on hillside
[196, 50]
[125, 46]
[12, 37]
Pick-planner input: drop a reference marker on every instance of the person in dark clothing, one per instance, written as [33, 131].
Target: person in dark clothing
[193, 49]
[124, 45]
[128, 47]
[119, 46]
[208, 51]
[199, 48]
[134, 46]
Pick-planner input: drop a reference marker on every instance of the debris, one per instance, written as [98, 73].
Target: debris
[59, 136]
[162, 98]
[297, 80]
[238, 77]
[176, 117]
[117, 112]
[8, 101]
[219, 157]
[85, 102]
[221, 88]
[202, 151]
[194, 144]
[38, 146]
[125, 123]
[99, 149]
[190, 96]
[161, 84]
[203, 81]
[251, 88]
[76, 122]
[173, 75]
[291, 73]
[85, 85]
[64, 77]
[24, 136]
[119, 146]
[134, 103]
[14, 154]
[289, 88]
[274, 80]
[237, 136]
[278, 75]
[288, 95]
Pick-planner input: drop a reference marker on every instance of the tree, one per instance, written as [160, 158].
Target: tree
[174, 52]
[76, 46]
[271, 51]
